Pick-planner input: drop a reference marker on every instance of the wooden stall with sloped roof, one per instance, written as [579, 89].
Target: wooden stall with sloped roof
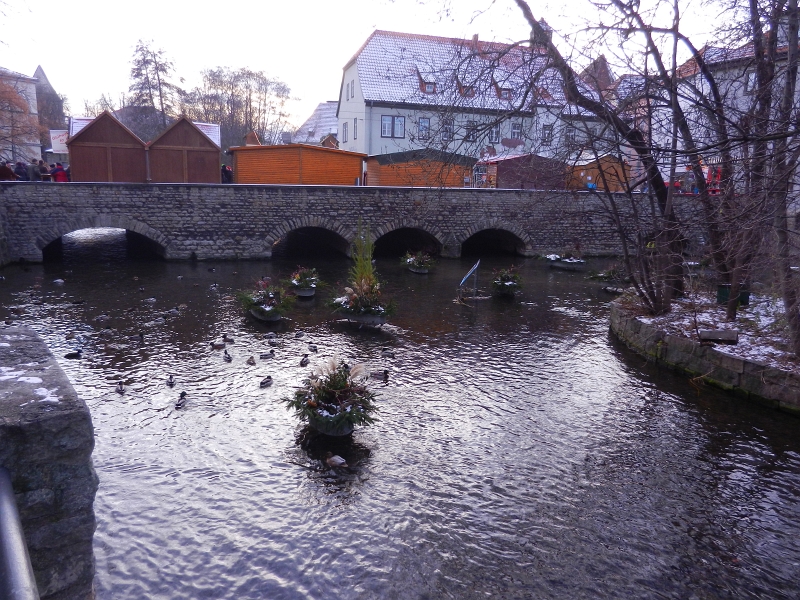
[521, 172]
[296, 164]
[420, 168]
[183, 154]
[106, 150]
[606, 172]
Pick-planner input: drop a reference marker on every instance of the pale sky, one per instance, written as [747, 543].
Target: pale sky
[85, 46]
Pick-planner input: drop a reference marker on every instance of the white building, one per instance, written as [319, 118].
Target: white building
[19, 119]
[404, 91]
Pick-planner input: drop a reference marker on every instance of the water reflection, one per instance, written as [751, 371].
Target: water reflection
[521, 451]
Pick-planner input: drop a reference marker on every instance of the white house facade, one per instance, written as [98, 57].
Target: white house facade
[404, 92]
[19, 120]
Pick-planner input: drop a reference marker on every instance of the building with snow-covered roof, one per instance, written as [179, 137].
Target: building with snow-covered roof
[402, 92]
[319, 125]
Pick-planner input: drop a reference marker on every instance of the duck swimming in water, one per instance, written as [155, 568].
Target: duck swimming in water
[217, 345]
[74, 355]
[386, 353]
[227, 357]
[171, 381]
[304, 360]
[382, 375]
[227, 339]
[266, 382]
[120, 388]
[313, 347]
[251, 361]
[181, 401]
[266, 355]
[334, 460]
[299, 334]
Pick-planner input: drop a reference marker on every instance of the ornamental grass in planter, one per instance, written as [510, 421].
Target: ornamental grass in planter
[418, 262]
[506, 282]
[335, 399]
[362, 299]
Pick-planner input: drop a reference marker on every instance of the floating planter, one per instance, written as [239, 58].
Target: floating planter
[335, 399]
[419, 262]
[304, 282]
[506, 282]
[266, 303]
[362, 302]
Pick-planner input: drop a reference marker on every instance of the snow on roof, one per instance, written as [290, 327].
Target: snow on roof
[9, 74]
[469, 74]
[321, 122]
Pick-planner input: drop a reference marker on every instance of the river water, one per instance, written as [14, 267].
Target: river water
[521, 451]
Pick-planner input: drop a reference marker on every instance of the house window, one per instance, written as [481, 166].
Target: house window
[352, 88]
[516, 131]
[429, 87]
[347, 92]
[750, 82]
[471, 134]
[494, 134]
[355, 129]
[569, 135]
[424, 129]
[468, 91]
[447, 130]
[547, 135]
[393, 127]
[504, 94]
[344, 132]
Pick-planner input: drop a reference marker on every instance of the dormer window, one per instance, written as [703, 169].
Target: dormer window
[504, 93]
[468, 91]
[428, 87]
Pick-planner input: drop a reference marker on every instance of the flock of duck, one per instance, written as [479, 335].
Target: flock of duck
[272, 340]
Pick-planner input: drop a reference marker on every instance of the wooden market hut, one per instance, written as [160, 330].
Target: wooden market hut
[420, 168]
[106, 150]
[521, 172]
[592, 171]
[183, 154]
[297, 164]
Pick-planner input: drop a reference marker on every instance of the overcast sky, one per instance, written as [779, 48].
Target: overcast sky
[85, 46]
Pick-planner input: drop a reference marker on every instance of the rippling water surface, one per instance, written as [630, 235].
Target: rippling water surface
[521, 452]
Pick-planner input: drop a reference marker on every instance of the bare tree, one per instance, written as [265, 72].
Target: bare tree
[19, 127]
[151, 83]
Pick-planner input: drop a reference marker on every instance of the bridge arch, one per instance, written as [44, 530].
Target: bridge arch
[498, 235]
[408, 234]
[117, 221]
[335, 234]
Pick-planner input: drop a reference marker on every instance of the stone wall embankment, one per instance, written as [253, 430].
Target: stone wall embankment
[746, 378]
[46, 442]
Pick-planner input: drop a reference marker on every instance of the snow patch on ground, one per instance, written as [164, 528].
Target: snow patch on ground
[763, 332]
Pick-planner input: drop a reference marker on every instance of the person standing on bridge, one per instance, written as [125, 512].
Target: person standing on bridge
[6, 172]
[58, 174]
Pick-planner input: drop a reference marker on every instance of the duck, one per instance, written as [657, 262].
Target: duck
[313, 347]
[149, 300]
[304, 360]
[227, 339]
[227, 357]
[180, 277]
[218, 345]
[382, 375]
[171, 381]
[251, 361]
[266, 355]
[120, 388]
[299, 334]
[334, 460]
[274, 342]
[139, 337]
[266, 382]
[386, 353]
[74, 355]
[181, 401]
[271, 335]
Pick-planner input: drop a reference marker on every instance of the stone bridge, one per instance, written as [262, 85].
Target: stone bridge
[189, 221]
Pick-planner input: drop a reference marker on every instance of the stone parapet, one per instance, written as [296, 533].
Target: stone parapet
[747, 378]
[46, 443]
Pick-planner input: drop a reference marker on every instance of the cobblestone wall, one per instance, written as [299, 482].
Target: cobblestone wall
[243, 221]
[746, 378]
[46, 443]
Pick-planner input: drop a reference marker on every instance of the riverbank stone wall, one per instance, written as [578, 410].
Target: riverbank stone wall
[46, 443]
[244, 221]
[746, 378]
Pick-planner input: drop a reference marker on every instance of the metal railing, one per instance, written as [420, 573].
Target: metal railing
[16, 574]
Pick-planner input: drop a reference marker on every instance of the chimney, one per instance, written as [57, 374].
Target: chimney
[475, 43]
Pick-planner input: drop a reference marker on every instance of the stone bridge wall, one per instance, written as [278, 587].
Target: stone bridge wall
[243, 221]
